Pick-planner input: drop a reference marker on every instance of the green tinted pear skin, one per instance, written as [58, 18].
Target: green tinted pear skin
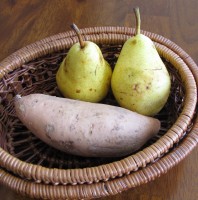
[140, 81]
[84, 74]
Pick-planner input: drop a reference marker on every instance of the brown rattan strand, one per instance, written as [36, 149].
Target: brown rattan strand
[111, 170]
[110, 187]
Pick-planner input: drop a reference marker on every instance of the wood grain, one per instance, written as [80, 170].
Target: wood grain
[26, 21]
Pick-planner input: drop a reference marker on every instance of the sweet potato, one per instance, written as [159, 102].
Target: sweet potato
[83, 128]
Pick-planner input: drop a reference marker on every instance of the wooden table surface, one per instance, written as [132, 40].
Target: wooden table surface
[26, 21]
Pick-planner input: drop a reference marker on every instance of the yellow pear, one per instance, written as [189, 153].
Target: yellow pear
[140, 81]
[84, 74]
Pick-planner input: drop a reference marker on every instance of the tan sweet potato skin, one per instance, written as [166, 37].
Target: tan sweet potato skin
[83, 128]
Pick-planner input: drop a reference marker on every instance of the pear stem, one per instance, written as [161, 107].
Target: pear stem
[138, 20]
[77, 31]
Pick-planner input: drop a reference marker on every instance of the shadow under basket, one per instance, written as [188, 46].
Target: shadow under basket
[34, 169]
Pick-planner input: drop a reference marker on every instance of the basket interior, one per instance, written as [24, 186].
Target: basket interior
[38, 76]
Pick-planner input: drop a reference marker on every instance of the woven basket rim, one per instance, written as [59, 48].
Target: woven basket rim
[122, 33]
[102, 189]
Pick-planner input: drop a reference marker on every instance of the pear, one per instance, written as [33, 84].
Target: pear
[140, 81]
[84, 74]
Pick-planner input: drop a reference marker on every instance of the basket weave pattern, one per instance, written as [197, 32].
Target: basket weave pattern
[23, 156]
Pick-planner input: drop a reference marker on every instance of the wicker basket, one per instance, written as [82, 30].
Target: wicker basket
[32, 168]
